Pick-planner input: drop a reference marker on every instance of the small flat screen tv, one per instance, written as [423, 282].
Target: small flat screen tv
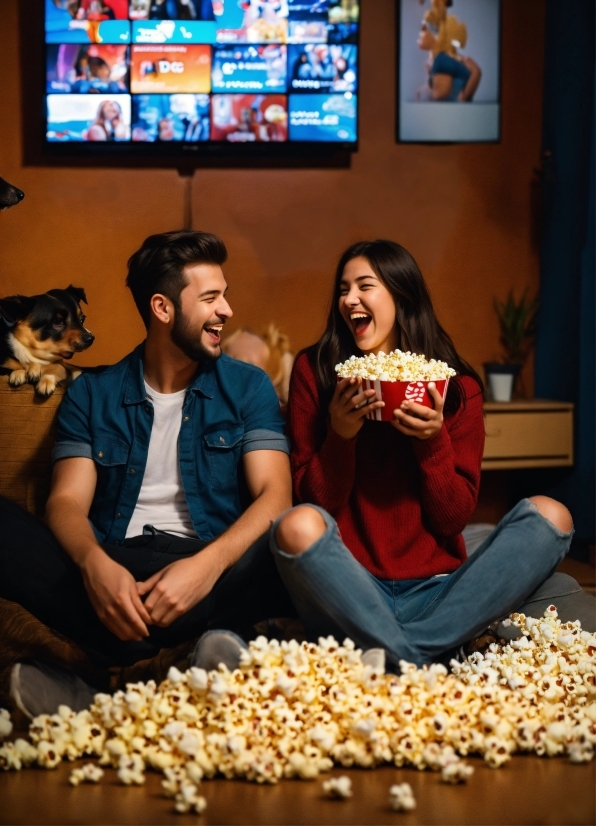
[151, 78]
[448, 66]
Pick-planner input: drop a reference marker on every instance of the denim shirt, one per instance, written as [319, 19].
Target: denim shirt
[230, 409]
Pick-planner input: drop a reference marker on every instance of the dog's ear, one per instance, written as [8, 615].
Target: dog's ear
[78, 293]
[15, 307]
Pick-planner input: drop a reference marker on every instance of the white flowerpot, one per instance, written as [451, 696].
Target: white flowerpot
[501, 386]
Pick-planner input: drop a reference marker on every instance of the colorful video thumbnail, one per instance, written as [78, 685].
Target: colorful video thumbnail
[171, 68]
[87, 21]
[175, 9]
[88, 118]
[322, 68]
[249, 68]
[344, 11]
[170, 118]
[78, 69]
[308, 10]
[249, 118]
[260, 21]
[307, 31]
[173, 31]
[323, 117]
[343, 33]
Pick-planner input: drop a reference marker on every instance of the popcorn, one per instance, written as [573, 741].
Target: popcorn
[296, 709]
[456, 772]
[338, 787]
[5, 723]
[89, 773]
[394, 366]
[188, 799]
[48, 754]
[131, 770]
[401, 798]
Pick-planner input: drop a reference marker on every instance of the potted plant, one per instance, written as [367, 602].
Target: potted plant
[517, 323]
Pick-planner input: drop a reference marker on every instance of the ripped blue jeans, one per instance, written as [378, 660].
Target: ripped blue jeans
[422, 619]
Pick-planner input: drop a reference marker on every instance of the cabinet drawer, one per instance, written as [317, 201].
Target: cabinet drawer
[529, 439]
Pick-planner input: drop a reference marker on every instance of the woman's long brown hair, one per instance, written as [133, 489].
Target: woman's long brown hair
[416, 325]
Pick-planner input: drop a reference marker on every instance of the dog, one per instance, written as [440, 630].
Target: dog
[39, 332]
[9, 195]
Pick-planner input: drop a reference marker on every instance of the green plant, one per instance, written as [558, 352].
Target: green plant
[517, 322]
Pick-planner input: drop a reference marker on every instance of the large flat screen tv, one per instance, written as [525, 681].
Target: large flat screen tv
[448, 71]
[169, 78]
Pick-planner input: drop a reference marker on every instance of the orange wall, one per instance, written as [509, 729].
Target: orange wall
[463, 211]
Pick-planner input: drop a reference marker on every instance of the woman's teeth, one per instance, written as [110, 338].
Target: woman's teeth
[360, 322]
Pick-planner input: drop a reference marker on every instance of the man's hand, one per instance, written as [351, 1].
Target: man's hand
[178, 587]
[349, 406]
[420, 421]
[110, 587]
[112, 591]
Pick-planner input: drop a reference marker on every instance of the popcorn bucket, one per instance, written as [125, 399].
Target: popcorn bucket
[393, 393]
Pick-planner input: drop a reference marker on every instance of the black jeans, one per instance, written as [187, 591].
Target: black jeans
[37, 573]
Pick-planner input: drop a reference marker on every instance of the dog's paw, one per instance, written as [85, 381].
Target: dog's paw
[17, 378]
[46, 386]
[33, 373]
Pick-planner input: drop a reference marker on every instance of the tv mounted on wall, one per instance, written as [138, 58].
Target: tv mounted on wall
[176, 79]
[448, 71]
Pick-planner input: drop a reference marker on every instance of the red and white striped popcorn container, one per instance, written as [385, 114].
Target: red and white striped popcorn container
[393, 393]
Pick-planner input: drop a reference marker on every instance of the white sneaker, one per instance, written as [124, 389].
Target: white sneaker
[216, 647]
[375, 657]
[39, 688]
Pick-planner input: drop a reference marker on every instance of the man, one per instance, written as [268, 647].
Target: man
[169, 468]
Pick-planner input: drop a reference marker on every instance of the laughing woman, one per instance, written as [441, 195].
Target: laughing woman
[376, 551]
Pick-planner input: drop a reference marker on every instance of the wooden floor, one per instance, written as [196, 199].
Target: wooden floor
[529, 790]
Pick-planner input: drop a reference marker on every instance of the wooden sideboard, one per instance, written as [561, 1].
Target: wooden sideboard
[530, 433]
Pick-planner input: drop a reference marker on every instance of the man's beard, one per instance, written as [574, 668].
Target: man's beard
[185, 338]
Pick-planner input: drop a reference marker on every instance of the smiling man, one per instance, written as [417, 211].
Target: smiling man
[168, 470]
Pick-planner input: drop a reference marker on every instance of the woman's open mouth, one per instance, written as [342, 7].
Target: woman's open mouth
[214, 333]
[360, 323]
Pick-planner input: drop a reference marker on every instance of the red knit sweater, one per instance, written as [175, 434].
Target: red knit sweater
[400, 502]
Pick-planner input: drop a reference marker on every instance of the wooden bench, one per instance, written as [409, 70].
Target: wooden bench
[27, 431]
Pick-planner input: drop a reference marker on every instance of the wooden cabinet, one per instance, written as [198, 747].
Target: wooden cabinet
[526, 434]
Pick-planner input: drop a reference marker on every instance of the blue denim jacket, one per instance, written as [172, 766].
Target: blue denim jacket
[230, 409]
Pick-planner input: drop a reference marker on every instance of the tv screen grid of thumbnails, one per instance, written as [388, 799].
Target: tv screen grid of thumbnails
[238, 71]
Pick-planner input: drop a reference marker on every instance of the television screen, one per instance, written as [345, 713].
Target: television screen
[194, 73]
[448, 70]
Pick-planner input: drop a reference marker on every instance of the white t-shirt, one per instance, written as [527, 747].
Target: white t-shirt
[161, 501]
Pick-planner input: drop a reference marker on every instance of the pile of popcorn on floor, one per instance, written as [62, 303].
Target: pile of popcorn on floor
[294, 710]
[394, 366]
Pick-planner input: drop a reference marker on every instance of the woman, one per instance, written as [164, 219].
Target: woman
[450, 77]
[378, 556]
[108, 124]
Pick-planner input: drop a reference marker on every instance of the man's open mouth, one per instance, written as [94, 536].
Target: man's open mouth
[214, 332]
[360, 322]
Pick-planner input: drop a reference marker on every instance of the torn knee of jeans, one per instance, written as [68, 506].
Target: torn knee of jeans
[563, 534]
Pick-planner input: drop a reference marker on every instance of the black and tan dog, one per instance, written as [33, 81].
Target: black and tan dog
[39, 332]
[9, 195]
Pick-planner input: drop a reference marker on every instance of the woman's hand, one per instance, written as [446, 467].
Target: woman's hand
[419, 421]
[349, 406]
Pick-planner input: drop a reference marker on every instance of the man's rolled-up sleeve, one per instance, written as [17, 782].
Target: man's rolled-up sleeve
[73, 434]
[263, 422]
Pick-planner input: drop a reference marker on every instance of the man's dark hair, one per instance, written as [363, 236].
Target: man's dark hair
[158, 267]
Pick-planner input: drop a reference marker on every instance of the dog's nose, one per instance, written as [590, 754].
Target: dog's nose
[88, 339]
[20, 195]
